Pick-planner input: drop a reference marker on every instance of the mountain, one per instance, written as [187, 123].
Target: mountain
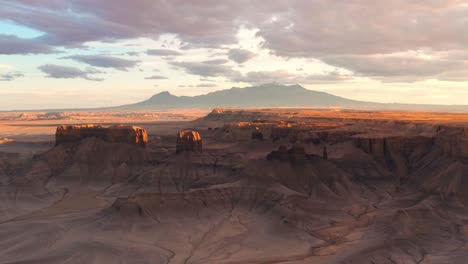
[272, 95]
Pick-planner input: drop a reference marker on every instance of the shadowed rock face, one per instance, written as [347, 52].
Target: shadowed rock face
[295, 155]
[113, 134]
[257, 135]
[188, 140]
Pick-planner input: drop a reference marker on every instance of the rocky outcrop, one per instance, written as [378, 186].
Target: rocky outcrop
[295, 155]
[5, 140]
[257, 135]
[325, 153]
[454, 142]
[451, 141]
[188, 140]
[403, 145]
[396, 153]
[113, 134]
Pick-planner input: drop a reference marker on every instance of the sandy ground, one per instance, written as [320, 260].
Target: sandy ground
[392, 189]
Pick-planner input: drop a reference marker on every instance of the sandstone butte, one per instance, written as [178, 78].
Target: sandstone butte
[114, 134]
[188, 140]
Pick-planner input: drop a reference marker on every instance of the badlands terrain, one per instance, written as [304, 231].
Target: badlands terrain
[234, 186]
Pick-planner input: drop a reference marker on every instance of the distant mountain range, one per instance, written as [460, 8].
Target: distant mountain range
[272, 95]
[262, 96]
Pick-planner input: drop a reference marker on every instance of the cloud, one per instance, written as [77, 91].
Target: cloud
[289, 28]
[156, 77]
[66, 72]
[10, 45]
[332, 31]
[283, 76]
[206, 85]
[240, 55]
[205, 69]
[216, 61]
[258, 77]
[163, 52]
[105, 61]
[10, 76]
[397, 68]
[312, 28]
[196, 23]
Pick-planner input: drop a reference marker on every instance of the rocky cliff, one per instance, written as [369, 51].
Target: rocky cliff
[188, 140]
[113, 134]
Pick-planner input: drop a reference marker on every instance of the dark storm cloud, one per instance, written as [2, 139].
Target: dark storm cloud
[11, 76]
[163, 52]
[156, 77]
[66, 72]
[10, 45]
[240, 55]
[105, 61]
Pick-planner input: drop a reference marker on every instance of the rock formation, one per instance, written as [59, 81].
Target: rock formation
[325, 153]
[188, 140]
[257, 135]
[113, 134]
[295, 154]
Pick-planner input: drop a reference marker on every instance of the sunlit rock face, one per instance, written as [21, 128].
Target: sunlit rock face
[113, 134]
[188, 141]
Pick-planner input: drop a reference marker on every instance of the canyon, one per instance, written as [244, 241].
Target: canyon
[267, 186]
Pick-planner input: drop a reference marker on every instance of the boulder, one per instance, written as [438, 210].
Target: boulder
[113, 134]
[188, 140]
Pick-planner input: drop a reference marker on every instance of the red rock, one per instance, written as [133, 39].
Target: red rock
[188, 140]
[113, 134]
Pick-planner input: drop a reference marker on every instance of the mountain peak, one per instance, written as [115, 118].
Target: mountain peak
[265, 95]
[164, 94]
[269, 95]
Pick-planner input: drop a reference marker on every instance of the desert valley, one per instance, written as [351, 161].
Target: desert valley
[234, 186]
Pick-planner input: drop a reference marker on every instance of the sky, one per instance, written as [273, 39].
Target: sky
[88, 53]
